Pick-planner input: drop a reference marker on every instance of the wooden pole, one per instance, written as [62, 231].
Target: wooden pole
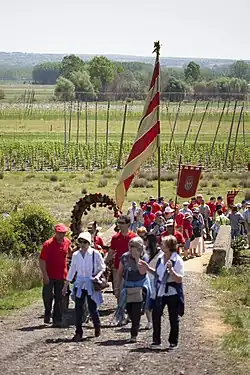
[230, 133]
[201, 123]
[218, 126]
[236, 135]
[78, 122]
[177, 183]
[70, 119]
[243, 128]
[65, 128]
[107, 134]
[157, 48]
[175, 123]
[96, 119]
[86, 122]
[122, 136]
[190, 123]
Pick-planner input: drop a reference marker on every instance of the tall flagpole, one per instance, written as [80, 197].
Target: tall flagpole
[157, 48]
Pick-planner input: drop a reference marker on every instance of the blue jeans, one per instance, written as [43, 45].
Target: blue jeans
[235, 233]
[79, 302]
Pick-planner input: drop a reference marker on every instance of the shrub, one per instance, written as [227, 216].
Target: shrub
[215, 184]
[8, 237]
[30, 175]
[1, 175]
[53, 178]
[88, 175]
[107, 173]
[245, 183]
[2, 94]
[142, 182]
[203, 184]
[84, 190]
[168, 176]
[247, 195]
[102, 182]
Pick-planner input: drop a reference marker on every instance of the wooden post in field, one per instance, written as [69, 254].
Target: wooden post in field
[230, 132]
[217, 129]
[243, 128]
[236, 135]
[96, 119]
[65, 129]
[175, 123]
[122, 136]
[201, 123]
[190, 123]
[107, 133]
[78, 122]
[86, 122]
[70, 119]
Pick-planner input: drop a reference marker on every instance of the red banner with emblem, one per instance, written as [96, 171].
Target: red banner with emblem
[231, 196]
[188, 181]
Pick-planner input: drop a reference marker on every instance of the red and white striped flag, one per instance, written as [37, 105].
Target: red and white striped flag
[147, 137]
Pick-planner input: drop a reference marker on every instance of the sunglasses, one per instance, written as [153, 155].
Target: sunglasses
[83, 241]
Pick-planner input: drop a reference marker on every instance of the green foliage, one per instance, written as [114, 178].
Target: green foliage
[24, 231]
[101, 72]
[65, 89]
[2, 94]
[83, 87]
[175, 90]
[71, 64]
[46, 73]
[240, 69]
[192, 72]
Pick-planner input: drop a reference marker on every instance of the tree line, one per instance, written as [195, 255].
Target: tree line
[102, 78]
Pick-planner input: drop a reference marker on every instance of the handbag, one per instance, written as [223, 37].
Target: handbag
[134, 294]
[103, 283]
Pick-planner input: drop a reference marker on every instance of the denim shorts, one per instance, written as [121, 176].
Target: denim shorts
[187, 244]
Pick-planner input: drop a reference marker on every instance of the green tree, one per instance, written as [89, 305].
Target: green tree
[192, 72]
[102, 72]
[83, 87]
[240, 69]
[65, 89]
[70, 64]
[46, 73]
[175, 90]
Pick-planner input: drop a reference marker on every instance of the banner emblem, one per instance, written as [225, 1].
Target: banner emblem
[189, 183]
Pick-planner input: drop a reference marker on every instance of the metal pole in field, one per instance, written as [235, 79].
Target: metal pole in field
[190, 123]
[230, 132]
[86, 122]
[218, 126]
[201, 123]
[78, 122]
[122, 136]
[157, 48]
[65, 128]
[243, 128]
[236, 135]
[107, 133]
[96, 119]
[175, 123]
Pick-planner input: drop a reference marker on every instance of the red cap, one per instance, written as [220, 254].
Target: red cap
[61, 228]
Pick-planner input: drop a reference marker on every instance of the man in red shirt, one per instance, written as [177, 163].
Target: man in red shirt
[170, 231]
[179, 217]
[119, 246]
[148, 217]
[155, 206]
[53, 265]
[187, 233]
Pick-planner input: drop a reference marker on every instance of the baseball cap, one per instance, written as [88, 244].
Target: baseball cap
[85, 236]
[196, 210]
[185, 204]
[61, 228]
[134, 204]
[168, 210]
[158, 213]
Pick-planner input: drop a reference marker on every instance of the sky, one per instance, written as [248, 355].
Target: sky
[185, 28]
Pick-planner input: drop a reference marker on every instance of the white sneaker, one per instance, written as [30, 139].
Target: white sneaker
[149, 325]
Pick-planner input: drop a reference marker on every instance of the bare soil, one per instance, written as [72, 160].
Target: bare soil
[27, 347]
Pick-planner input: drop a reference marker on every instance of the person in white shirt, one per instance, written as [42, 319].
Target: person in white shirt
[89, 266]
[168, 273]
[136, 217]
[246, 216]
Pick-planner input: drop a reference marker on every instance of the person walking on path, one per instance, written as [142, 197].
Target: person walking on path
[246, 216]
[89, 266]
[168, 275]
[119, 246]
[236, 219]
[135, 279]
[53, 265]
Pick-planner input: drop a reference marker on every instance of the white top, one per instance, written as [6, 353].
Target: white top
[84, 266]
[178, 268]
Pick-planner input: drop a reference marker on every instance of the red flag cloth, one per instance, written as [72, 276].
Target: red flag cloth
[188, 181]
[231, 196]
[146, 141]
[248, 166]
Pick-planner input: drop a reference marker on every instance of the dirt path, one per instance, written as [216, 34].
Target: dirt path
[29, 348]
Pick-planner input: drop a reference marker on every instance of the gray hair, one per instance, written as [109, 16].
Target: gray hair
[137, 242]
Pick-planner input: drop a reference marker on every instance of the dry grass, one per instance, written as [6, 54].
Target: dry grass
[141, 183]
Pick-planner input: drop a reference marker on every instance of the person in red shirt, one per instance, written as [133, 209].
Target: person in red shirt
[171, 231]
[119, 246]
[221, 205]
[179, 217]
[53, 265]
[193, 203]
[155, 206]
[149, 217]
[97, 241]
[187, 233]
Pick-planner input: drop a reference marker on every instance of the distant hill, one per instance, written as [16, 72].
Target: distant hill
[20, 59]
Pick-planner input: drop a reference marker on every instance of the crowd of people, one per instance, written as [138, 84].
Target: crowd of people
[145, 259]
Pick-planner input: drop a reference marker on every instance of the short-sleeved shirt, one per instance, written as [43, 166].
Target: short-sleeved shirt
[148, 219]
[55, 256]
[178, 235]
[131, 272]
[187, 226]
[236, 219]
[179, 219]
[161, 269]
[212, 207]
[119, 244]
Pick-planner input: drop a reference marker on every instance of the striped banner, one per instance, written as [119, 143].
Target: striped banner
[146, 140]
